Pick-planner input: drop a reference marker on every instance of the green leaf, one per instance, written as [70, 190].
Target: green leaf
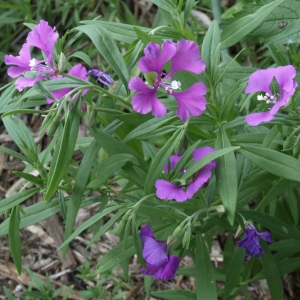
[104, 43]
[205, 279]
[279, 54]
[109, 166]
[273, 161]
[148, 127]
[16, 199]
[241, 27]
[114, 257]
[234, 269]
[160, 159]
[175, 295]
[83, 56]
[145, 37]
[41, 87]
[210, 48]
[15, 239]
[14, 154]
[226, 176]
[81, 181]
[271, 272]
[29, 177]
[272, 223]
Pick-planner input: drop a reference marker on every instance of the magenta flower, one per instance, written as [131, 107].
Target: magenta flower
[44, 38]
[184, 56]
[166, 190]
[251, 243]
[260, 81]
[157, 256]
[102, 78]
[77, 71]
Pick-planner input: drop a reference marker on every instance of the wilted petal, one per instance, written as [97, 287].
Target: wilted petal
[191, 102]
[187, 58]
[168, 270]
[265, 235]
[260, 81]
[43, 37]
[145, 100]
[154, 59]
[168, 191]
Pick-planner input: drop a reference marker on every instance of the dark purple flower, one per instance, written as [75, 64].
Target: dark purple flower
[166, 190]
[157, 256]
[44, 38]
[184, 56]
[77, 71]
[102, 78]
[251, 243]
[260, 81]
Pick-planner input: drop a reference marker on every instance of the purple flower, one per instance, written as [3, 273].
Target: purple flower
[260, 81]
[251, 243]
[102, 78]
[44, 38]
[184, 56]
[157, 256]
[77, 71]
[166, 190]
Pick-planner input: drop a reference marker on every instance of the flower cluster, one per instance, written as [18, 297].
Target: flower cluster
[251, 243]
[260, 81]
[184, 56]
[157, 256]
[169, 191]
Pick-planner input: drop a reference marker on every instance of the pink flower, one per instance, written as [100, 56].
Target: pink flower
[184, 56]
[166, 190]
[260, 81]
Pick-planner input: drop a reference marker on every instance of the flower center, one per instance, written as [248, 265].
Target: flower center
[268, 98]
[43, 68]
[169, 86]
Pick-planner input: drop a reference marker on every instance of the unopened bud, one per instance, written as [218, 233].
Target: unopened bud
[62, 63]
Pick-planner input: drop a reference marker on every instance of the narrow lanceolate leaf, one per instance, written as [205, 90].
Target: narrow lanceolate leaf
[160, 159]
[237, 30]
[273, 161]
[16, 199]
[205, 279]
[63, 152]
[210, 47]
[15, 239]
[81, 181]
[226, 175]
[272, 273]
[235, 268]
[104, 43]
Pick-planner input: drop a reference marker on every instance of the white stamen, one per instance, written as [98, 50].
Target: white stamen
[175, 84]
[33, 64]
[260, 97]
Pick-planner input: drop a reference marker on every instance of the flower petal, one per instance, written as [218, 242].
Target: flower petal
[265, 235]
[154, 59]
[174, 159]
[43, 37]
[80, 72]
[168, 191]
[284, 76]
[257, 118]
[146, 231]
[260, 81]
[187, 58]
[145, 100]
[23, 82]
[201, 152]
[191, 101]
[203, 175]
[168, 270]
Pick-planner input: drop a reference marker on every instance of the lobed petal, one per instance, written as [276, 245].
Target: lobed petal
[168, 191]
[284, 76]
[146, 231]
[168, 270]
[154, 59]
[43, 37]
[23, 82]
[202, 177]
[191, 102]
[187, 58]
[154, 252]
[145, 100]
[257, 118]
[260, 81]
[80, 72]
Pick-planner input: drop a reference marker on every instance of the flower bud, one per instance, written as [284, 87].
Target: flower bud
[62, 63]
